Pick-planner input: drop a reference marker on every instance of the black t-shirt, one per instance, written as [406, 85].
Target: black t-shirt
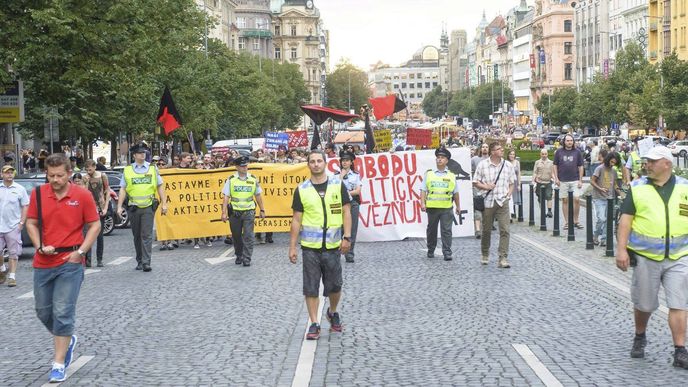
[665, 191]
[297, 205]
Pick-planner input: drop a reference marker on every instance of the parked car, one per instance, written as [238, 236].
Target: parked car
[115, 181]
[551, 137]
[679, 148]
[658, 139]
[535, 139]
[517, 134]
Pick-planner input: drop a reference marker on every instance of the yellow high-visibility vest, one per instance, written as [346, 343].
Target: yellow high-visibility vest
[241, 193]
[323, 218]
[440, 189]
[141, 187]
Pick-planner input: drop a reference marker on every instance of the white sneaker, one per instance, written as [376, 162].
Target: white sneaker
[196, 246]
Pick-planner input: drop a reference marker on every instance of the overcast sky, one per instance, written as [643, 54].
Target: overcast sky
[366, 31]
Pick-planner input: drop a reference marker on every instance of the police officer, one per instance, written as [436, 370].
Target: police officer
[436, 195]
[141, 181]
[653, 229]
[352, 180]
[239, 192]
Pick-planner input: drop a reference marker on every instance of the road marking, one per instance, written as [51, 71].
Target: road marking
[72, 369]
[222, 258]
[610, 281]
[30, 294]
[119, 261]
[536, 365]
[304, 366]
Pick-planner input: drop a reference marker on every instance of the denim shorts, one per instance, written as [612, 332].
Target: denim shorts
[649, 274]
[325, 265]
[12, 240]
[56, 291]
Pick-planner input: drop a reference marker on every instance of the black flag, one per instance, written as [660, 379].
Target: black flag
[168, 117]
[369, 136]
[315, 141]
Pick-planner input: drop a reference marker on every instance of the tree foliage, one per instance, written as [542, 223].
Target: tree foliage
[478, 102]
[344, 79]
[104, 64]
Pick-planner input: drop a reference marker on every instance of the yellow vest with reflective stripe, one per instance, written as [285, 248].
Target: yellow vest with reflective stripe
[141, 187]
[636, 162]
[323, 218]
[659, 231]
[241, 193]
[440, 189]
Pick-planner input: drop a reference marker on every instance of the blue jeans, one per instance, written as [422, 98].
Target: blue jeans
[600, 229]
[56, 291]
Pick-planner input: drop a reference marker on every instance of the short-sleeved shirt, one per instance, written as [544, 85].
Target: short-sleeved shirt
[351, 180]
[424, 187]
[567, 162]
[12, 199]
[665, 191]
[63, 220]
[226, 191]
[487, 173]
[543, 170]
[141, 169]
[606, 178]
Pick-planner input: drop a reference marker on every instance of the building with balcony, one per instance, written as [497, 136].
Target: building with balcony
[592, 39]
[300, 38]
[635, 23]
[553, 51]
[254, 21]
[667, 23]
[223, 11]
[522, 62]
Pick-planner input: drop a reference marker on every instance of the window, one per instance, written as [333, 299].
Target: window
[256, 45]
[277, 31]
[427, 85]
[403, 85]
[261, 24]
[567, 48]
[293, 30]
[396, 85]
[412, 76]
[278, 53]
[412, 85]
[241, 22]
[419, 75]
[434, 84]
[419, 85]
[242, 43]
[420, 95]
[293, 53]
[567, 26]
[412, 95]
[568, 71]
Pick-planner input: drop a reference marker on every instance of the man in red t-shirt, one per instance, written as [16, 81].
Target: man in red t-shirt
[60, 251]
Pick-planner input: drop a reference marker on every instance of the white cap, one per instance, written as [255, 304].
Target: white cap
[658, 153]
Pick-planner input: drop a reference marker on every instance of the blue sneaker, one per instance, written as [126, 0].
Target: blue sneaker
[57, 375]
[70, 351]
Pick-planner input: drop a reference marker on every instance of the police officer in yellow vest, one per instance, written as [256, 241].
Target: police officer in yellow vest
[653, 230]
[437, 196]
[322, 220]
[140, 183]
[239, 192]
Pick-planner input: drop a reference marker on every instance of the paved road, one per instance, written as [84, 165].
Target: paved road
[408, 320]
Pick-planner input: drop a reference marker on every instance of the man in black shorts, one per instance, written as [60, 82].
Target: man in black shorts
[322, 220]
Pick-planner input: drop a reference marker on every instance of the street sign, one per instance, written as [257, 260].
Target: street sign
[12, 103]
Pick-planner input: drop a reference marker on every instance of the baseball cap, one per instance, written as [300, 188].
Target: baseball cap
[659, 152]
[156, 158]
[6, 168]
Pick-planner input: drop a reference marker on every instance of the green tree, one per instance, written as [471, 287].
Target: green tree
[674, 92]
[347, 80]
[558, 108]
[435, 103]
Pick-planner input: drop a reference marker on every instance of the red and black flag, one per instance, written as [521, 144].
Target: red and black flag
[168, 117]
[386, 106]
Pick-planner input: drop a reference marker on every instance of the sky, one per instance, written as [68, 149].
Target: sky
[365, 31]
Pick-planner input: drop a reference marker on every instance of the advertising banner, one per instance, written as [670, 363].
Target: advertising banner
[390, 196]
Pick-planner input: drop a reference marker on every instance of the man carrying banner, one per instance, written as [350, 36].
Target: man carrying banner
[240, 190]
[352, 181]
[436, 196]
[141, 181]
[322, 219]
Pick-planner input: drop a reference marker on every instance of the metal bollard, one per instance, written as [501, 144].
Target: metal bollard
[610, 228]
[589, 245]
[520, 206]
[543, 217]
[556, 212]
[531, 209]
[571, 236]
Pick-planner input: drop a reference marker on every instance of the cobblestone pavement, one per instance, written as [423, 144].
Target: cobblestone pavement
[408, 320]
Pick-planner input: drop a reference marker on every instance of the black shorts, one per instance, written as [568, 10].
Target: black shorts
[325, 265]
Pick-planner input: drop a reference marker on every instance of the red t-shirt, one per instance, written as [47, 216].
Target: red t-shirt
[63, 221]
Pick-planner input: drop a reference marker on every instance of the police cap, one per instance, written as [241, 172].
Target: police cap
[138, 148]
[442, 152]
[347, 154]
[241, 161]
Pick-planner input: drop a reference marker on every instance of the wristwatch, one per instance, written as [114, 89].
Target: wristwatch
[81, 252]
[348, 239]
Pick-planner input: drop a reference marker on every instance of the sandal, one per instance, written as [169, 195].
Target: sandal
[566, 226]
[579, 226]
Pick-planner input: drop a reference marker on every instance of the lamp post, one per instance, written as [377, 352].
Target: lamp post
[349, 76]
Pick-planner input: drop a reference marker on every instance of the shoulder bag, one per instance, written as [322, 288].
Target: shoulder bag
[479, 201]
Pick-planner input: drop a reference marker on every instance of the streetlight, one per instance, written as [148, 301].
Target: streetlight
[349, 75]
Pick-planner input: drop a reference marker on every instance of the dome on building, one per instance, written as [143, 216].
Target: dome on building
[427, 53]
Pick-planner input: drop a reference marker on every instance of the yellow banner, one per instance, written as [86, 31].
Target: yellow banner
[194, 200]
[435, 140]
[383, 140]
